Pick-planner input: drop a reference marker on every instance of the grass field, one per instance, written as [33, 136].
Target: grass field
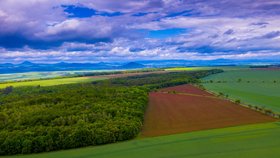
[256, 87]
[251, 141]
[50, 82]
[187, 68]
[225, 68]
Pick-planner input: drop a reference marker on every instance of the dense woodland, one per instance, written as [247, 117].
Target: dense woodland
[37, 119]
[156, 81]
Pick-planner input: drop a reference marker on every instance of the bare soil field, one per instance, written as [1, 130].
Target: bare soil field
[185, 112]
[187, 88]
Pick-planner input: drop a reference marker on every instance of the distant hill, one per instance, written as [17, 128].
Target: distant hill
[132, 65]
[27, 63]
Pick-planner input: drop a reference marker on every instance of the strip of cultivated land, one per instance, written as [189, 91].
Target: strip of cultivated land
[250, 141]
[187, 108]
[51, 82]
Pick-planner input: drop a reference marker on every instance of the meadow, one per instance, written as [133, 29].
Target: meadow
[50, 82]
[250, 141]
[254, 87]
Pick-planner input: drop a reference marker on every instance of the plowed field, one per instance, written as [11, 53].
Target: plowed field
[193, 109]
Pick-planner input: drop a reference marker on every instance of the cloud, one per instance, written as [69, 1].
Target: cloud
[272, 34]
[88, 30]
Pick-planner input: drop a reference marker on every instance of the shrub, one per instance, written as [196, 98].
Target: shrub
[237, 101]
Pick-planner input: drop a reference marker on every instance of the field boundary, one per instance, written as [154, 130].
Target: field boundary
[249, 106]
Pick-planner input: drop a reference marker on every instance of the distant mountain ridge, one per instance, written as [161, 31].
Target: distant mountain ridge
[132, 65]
[28, 66]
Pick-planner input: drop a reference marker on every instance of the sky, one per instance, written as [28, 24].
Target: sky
[130, 30]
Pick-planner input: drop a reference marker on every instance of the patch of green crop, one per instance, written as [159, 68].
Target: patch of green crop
[187, 68]
[250, 141]
[254, 87]
[50, 82]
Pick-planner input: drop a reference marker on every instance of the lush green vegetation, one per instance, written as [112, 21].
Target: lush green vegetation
[251, 141]
[256, 87]
[50, 82]
[35, 119]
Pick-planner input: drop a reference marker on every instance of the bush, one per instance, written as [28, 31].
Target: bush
[237, 101]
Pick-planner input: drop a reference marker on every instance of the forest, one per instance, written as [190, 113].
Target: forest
[156, 81]
[39, 119]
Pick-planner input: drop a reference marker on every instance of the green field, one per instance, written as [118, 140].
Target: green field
[187, 68]
[251, 141]
[50, 82]
[225, 68]
[255, 87]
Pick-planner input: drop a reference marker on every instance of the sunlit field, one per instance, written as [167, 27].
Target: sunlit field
[50, 82]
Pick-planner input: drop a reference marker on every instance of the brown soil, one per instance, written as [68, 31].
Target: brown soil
[187, 88]
[183, 112]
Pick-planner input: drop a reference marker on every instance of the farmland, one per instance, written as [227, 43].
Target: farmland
[187, 68]
[38, 119]
[50, 82]
[96, 76]
[250, 141]
[43, 75]
[188, 108]
[225, 68]
[181, 120]
[255, 87]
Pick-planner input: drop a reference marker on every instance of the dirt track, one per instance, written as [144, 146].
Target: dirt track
[193, 109]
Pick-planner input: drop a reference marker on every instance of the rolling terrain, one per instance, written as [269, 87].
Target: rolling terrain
[180, 121]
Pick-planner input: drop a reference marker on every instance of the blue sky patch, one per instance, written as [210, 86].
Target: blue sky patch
[166, 33]
[83, 12]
